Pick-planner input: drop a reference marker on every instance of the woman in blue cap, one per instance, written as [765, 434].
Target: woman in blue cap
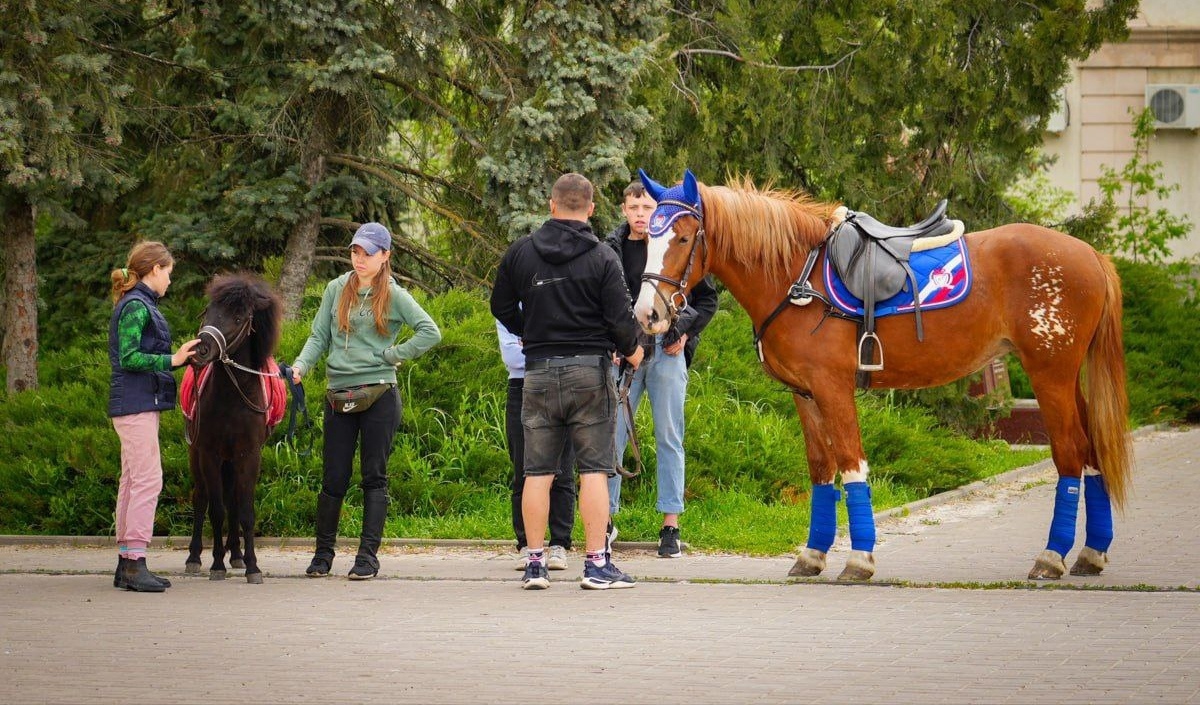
[361, 315]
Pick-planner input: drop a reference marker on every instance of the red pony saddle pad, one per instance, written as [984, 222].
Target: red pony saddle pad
[274, 391]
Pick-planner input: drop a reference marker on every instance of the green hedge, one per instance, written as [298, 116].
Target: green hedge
[747, 481]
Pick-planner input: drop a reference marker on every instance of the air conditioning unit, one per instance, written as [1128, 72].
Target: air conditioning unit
[1174, 105]
[1060, 118]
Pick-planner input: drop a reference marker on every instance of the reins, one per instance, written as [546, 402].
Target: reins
[299, 407]
[625, 381]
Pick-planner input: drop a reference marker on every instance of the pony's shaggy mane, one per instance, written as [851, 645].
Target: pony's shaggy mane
[247, 294]
[764, 226]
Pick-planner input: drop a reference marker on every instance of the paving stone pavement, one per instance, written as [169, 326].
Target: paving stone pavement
[449, 625]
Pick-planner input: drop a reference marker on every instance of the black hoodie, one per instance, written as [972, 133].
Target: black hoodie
[563, 295]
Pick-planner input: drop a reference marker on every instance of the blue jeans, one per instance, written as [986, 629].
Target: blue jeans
[664, 378]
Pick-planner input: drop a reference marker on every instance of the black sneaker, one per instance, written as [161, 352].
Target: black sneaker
[668, 542]
[363, 569]
[536, 577]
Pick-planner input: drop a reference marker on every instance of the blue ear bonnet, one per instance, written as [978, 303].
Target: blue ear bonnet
[671, 201]
[664, 216]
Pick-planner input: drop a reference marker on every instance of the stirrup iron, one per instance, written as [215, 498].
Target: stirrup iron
[869, 366]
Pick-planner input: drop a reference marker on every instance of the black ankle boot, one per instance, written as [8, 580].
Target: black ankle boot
[119, 581]
[329, 511]
[137, 577]
[366, 563]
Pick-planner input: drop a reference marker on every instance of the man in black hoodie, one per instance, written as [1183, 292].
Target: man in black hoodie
[564, 296]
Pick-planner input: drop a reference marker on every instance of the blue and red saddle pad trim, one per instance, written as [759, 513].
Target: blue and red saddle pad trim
[943, 278]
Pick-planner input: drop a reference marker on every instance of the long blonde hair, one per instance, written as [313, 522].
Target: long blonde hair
[381, 299]
[142, 259]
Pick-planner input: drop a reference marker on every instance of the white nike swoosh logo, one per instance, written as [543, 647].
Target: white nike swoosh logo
[543, 282]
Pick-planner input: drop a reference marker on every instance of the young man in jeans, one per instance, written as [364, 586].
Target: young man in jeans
[562, 293]
[663, 376]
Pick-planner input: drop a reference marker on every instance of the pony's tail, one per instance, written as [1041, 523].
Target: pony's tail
[1107, 404]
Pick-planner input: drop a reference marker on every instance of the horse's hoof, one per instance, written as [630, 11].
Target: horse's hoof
[254, 578]
[1089, 562]
[1048, 566]
[859, 566]
[237, 563]
[216, 575]
[809, 563]
[191, 568]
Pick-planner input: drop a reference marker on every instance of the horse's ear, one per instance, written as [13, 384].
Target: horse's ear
[653, 188]
[691, 190]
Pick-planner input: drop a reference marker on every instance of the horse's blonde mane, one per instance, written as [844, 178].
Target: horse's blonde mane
[763, 226]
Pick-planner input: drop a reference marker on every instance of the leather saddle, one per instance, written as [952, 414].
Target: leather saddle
[872, 260]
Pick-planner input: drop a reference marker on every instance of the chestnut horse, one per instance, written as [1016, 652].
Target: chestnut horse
[227, 426]
[1047, 297]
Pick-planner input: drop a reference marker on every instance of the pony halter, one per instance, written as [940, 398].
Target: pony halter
[678, 300]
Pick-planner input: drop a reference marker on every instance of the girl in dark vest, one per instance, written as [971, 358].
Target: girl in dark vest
[139, 350]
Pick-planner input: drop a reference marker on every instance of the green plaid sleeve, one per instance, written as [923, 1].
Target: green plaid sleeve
[134, 319]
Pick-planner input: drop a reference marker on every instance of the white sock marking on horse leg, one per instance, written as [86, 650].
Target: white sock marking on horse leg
[1089, 470]
[859, 475]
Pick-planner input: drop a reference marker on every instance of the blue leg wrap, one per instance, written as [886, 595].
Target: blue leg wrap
[1099, 514]
[822, 527]
[1066, 509]
[862, 518]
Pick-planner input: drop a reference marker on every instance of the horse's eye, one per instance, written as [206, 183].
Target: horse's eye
[683, 241]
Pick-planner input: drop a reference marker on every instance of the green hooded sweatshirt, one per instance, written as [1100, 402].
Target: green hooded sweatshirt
[363, 356]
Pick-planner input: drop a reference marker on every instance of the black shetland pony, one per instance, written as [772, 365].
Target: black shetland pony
[227, 424]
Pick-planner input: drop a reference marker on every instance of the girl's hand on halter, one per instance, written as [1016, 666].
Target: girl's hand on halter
[184, 353]
[295, 374]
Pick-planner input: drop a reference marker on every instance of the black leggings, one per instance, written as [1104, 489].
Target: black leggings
[375, 429]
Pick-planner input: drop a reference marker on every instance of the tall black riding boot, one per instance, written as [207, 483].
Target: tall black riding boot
[329, 511]
[366, 564]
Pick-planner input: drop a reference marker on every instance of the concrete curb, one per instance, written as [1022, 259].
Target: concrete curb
[1015, 475]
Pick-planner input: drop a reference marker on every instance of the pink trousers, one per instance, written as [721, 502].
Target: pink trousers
[141, 480]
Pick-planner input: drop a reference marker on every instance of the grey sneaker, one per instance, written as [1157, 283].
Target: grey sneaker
[557, 558]
[523, 559]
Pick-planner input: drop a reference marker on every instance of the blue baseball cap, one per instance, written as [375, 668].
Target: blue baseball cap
[372, 237]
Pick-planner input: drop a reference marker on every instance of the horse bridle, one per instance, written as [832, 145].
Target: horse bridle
[681, 284]
[223, 350]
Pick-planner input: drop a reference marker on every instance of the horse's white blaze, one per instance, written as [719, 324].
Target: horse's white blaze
[648, 301]
[859, 475]
[1050, 322]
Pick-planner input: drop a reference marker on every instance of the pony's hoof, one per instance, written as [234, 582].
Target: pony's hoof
[237, 563]
[860, 566]
[809, 563]
[216, 575]
[191, 568]
[254, 578]
[1089, 562]
[1048, 566]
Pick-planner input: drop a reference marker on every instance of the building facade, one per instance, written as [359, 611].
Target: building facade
[1158, 66]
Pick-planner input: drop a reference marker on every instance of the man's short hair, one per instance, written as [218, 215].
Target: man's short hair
[572, 192]
[635, 189]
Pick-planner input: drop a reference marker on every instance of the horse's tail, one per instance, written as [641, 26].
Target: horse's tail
[1107, 404]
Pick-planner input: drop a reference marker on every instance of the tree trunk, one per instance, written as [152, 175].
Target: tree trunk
[298, 256]
[20, 295]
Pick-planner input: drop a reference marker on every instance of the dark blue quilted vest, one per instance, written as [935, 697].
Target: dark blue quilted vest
[136, 392]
